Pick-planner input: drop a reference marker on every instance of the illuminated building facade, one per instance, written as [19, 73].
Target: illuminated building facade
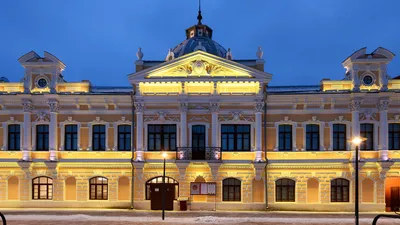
[69, 144]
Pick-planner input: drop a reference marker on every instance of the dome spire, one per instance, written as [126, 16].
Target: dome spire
[199, 17]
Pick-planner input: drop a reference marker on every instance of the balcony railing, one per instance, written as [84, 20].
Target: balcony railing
[195, 153]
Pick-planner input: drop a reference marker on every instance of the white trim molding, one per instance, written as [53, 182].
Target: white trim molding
[70, 121]
[368, 117]
[42, 118]
[285, 121]
[97, 121]
[321, 125]
[340, 120]
[122, 121]
[207, 125]
[5, 124]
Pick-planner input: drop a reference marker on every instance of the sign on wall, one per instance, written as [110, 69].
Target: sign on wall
[203, 188]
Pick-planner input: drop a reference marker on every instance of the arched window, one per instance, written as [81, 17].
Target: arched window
[98, 188]
[285, 190]
[231, 189]
[158, 180]
[340, 190]
[42, 188]
[70, 188]
[13, 188]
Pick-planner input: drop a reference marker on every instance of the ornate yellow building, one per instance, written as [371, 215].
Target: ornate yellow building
[69, 144]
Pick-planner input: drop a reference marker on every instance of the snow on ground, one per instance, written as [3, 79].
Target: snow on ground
[194, 220]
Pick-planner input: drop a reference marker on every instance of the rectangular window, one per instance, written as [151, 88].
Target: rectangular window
[285, 137]
[99, 138]
[394, 136]
[312, 137]
[339, 136]
[235, 137]
[14, 137]
[71, 137]
[161, 137]
[42, 137]
[367, 133]
[124, 137]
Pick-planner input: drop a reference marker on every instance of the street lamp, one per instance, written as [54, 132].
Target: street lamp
[356, 141]
[164, 155]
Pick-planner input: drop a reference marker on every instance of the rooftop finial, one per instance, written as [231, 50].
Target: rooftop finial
[199, 17]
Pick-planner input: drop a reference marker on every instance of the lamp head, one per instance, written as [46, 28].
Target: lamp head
[164, 155]
[356, 140]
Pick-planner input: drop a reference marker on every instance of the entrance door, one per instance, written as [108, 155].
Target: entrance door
[199, 142]
[395, 199]
[156, 196]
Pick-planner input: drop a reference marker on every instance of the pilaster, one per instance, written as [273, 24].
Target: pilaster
[139, 107]
[258, 108]
[214, 108]
[27, 144]
[53, 108]
[383, 106]
[184, 110]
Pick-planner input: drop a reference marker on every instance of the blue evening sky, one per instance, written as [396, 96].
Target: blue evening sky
[303, 40]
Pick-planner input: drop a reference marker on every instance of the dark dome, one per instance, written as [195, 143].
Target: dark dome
[195, 43]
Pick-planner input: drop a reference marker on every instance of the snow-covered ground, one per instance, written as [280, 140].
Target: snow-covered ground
[95, 219]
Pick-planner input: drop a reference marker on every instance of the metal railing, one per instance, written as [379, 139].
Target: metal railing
[3, 218]
[374, 222]
[191, 153]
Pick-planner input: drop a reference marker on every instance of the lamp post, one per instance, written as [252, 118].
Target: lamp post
[164, 155]
[356, 141]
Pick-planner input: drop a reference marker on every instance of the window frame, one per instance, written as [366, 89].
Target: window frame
[392, 138]
[17, 141]
[39, 185]
[96, 185]
[290, 186]
[364, 146]
[335, 187]
[66, 133]
[125, 138]
[338, 137]
[235, 134]
[311, 135]
[284, 138]
[99, 138]
[162, 137]
[228, 187]
[41, 136]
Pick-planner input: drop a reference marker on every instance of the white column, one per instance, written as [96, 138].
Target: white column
[53, 147]
[258, 107]
[27, 144]
[184, 109]
[354, 106]
[383, 106]
[214, 108]
[139, 131]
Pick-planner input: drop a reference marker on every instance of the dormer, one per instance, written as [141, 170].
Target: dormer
[42, 74]
[368, 71]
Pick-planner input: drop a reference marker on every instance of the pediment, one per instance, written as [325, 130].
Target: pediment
[199, 65]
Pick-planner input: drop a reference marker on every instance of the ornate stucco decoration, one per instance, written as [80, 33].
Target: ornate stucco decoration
[198, 118]
[161, 115]
[236, 117]
[354, 105]
[367, 116]
[42, 117]
[54, 106]
[27, 105]
[139, 107]
[258, 106]
[184, 107]
[383, 105]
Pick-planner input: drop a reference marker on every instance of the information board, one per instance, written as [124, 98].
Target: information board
[203, 188]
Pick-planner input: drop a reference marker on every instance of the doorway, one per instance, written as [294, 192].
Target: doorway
[198, 142]
[156, 196]
[392, 194]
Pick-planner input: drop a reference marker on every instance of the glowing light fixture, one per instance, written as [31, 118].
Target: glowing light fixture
[356, 140]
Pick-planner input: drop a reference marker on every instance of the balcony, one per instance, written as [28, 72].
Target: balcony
[196, 153]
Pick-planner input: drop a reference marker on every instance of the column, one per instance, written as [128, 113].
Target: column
[139, 131]
[383, 106]
[53, 107]
[27, 145]
[184, 109]
[354, 106]
[214, 108]
[258, 108]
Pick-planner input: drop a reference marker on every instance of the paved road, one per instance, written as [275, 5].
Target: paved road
[117, 217]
